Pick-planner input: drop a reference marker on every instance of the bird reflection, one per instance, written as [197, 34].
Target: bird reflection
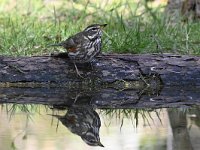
[83, 121]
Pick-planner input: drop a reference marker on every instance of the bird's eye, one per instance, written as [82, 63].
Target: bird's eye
[92, 141]
[94, 29]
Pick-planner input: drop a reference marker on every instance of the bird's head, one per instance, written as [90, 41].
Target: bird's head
[91, 139]
[94, 31]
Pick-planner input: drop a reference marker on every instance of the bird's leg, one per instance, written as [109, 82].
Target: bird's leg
[77, 71]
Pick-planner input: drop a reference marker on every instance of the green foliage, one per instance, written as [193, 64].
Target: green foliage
[135, 115]
[27, 27]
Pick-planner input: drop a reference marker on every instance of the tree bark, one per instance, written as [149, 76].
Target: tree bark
[140, 70]
[123, 81]
[182, 9]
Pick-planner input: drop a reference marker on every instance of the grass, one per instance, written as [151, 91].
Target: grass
[27, 27]
[119, 115]
[136, 115]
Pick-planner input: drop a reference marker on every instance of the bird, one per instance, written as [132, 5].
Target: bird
[84, 122]
[85, 45]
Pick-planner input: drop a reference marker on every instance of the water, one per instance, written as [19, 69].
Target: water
[32, 127]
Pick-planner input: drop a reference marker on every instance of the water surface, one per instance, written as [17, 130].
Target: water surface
[32, 127]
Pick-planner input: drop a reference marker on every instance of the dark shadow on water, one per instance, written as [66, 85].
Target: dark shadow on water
[103, 97]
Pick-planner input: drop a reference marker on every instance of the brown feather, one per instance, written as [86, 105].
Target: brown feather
[72, 49]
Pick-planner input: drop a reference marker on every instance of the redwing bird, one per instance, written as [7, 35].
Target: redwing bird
[84, 46]
[84, 122]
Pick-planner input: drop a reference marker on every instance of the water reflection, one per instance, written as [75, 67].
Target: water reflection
[84, 122]
[178, 122]
[27, 127]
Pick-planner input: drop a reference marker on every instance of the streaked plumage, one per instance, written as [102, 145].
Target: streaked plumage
[84, 46]
[83, 121]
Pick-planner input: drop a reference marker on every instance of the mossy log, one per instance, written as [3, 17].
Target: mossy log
[122, 81]
[173, 70]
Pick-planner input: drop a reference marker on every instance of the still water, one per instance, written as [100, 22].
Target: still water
[39, 127]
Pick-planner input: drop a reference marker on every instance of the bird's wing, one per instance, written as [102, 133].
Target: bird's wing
[73, 42]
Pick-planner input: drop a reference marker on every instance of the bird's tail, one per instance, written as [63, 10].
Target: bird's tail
[57, 44]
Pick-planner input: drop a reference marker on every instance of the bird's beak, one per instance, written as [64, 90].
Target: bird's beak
[99, 144]
[103, 25]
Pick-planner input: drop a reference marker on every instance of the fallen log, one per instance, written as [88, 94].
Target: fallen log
[111, 81]
[133, 70]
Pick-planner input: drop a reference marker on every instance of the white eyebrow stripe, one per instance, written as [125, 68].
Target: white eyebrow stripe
[96, 28]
